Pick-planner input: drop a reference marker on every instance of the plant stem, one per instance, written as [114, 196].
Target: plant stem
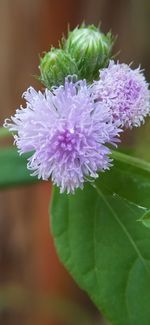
[130, 160]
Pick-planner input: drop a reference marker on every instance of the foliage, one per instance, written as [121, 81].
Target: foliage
[102, 244]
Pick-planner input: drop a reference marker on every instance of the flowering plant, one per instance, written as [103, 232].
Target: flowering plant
[70, 131]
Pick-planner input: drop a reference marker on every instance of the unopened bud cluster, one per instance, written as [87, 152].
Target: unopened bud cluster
[82, 53]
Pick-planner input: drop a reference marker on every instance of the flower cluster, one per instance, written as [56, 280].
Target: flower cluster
[68, 129]
[125, 92]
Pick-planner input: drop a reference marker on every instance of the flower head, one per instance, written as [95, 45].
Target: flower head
[67, 133]
[125, 92]
[55, 66]
[90, 48]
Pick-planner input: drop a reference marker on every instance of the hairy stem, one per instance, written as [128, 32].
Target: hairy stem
[130, 160]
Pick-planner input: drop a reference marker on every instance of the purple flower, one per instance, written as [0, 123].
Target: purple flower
[125, 92]
[67, 133]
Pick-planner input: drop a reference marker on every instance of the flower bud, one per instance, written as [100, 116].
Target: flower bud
[90, 48]
[55, 66]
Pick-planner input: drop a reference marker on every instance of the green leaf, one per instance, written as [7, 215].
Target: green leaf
[129, 178]
[13, 169]
[103, 246]
[146, 219]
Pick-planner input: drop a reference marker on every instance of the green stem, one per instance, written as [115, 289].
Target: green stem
[4, 133]
[130, 160]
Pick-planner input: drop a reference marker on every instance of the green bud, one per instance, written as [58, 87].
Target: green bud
[55, 66]
[90, 48]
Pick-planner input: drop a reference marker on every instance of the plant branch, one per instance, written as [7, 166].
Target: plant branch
[130, 160]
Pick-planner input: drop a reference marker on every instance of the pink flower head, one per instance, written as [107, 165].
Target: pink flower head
[66, 133]
[125, 92]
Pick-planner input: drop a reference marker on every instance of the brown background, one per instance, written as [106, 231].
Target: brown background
[27, 28]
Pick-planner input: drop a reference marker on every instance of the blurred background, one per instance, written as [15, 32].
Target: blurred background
[34, 287]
